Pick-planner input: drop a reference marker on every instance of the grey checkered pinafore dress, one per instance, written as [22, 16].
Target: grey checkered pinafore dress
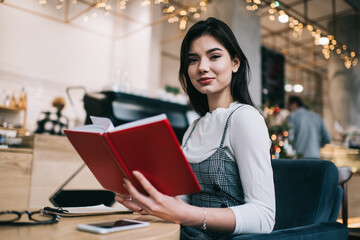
[219, 178]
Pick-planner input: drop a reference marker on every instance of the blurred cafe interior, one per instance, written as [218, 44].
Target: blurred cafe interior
[120, 59]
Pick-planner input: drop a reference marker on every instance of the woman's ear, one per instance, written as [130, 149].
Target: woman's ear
[236, 64]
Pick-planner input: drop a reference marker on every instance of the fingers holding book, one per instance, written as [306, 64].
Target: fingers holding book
[128, 202]
[154, 203]
[137, 201]
[137, 197]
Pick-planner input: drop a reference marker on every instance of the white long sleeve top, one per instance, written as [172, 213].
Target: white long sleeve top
[246, 142]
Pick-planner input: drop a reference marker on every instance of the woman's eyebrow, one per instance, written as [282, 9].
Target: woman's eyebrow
[190, 54]
[213, 50]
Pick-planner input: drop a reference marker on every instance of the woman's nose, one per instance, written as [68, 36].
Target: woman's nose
[204, 65]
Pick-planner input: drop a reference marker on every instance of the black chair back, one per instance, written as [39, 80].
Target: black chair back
[306, 191]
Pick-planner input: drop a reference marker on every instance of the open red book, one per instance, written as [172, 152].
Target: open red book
[148, 145]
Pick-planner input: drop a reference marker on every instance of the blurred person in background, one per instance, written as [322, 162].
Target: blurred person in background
[308, 133]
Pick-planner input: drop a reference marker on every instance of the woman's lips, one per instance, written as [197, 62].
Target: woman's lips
[205, 80]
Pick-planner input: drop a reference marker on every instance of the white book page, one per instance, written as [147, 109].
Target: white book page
[140, 122]
[102, 121]
[102, 125]
[93, 209]
[90, 128]
[86, 211]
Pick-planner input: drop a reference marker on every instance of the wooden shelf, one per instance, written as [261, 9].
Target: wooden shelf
[10, 129]
[14, 115]
[11, 108]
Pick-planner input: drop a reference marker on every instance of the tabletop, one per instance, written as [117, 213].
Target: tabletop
[65, 229]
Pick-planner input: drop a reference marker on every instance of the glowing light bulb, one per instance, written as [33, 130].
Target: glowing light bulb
[298, 88]
[192, 9]
[183, 23]
[283, 18]
[324, 41]
[347, 64]
[273, 137]
[183, 13]
[171, 9]
[288, 87]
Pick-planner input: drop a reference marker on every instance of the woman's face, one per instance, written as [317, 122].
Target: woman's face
[210, 66]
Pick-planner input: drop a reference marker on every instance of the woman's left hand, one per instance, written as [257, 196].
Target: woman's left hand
[128, 202]
[156, 204]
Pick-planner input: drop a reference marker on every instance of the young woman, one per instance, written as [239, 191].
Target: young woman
[228, 147]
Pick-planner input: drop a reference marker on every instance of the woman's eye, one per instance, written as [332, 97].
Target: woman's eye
[215, 56]
[192, 60]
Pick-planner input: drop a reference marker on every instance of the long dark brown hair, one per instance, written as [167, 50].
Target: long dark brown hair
[239, 82]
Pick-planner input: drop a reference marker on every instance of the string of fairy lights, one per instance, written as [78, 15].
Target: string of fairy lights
[180, 15]
[329, 43]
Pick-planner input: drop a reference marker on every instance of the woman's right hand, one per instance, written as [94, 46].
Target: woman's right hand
[155, 203]
[173, 208]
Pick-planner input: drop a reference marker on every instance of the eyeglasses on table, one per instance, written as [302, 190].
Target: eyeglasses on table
[35, 218]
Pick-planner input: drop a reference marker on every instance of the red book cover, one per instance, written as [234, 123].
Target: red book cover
[148, 145]
[93, 149]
